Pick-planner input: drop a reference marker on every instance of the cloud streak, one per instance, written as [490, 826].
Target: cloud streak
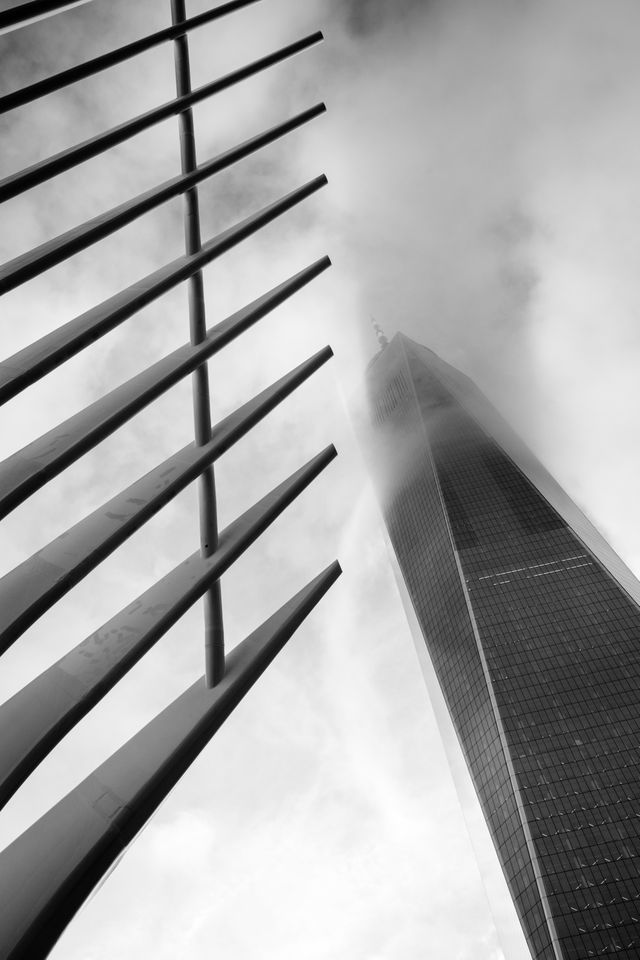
[482, 198]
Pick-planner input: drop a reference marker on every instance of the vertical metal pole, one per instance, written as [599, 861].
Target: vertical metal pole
[213, 626]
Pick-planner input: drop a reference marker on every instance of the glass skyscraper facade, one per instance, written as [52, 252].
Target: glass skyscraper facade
[532, 624]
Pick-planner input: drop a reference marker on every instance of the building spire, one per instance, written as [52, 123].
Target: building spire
[380, 337]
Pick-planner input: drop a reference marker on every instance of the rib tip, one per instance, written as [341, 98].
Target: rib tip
[322, 263]
[324, 354]
[330, 574]
[331, 452]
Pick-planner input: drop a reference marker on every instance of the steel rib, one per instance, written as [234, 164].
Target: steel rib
[29, 12]
[32, 587]
[119, 405]
[27, 470]
[38, 173]
[34, 720]
[47, 255]
[34, 91]
[39, 358]
[49, 871]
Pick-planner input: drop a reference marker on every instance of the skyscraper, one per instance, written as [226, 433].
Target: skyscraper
[532, 624]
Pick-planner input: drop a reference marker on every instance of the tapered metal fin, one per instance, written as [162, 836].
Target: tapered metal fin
[34, 720]
[40, 172]
[21, 14]
[47, 255]
[34, 361]
[31, 588]
[30, 468]
[48, 872]
[41, 88]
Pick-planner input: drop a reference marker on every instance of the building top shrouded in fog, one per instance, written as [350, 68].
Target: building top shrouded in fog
[532, 624]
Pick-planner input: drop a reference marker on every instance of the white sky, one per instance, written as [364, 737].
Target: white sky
[483, 198]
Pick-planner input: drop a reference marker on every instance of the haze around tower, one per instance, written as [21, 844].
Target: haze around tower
[483, 199]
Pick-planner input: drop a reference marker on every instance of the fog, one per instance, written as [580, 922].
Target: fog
[482, 198]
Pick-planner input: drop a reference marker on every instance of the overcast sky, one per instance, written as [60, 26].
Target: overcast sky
[483, 198]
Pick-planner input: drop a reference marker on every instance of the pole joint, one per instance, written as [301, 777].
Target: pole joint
[213, 624]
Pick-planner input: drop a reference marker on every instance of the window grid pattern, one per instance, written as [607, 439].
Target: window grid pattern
[561, 641]
[420, 537]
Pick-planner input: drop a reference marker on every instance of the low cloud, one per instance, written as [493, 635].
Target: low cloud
[483, 177]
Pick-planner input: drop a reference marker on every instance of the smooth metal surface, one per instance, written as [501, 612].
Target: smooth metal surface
[29, 11]
[38, 359]
[48, 872]
[17, 183]
[49, 254]
[34, 720]
[25, 471]
[34, 91]
[32, 587]
[207, 505]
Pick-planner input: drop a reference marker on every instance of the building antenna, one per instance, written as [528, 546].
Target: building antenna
[380, 337]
